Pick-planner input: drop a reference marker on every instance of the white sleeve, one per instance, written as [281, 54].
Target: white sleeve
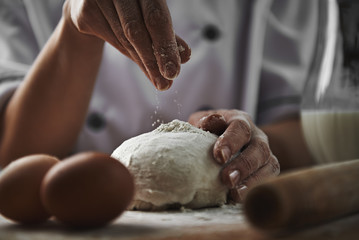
[18, 47]
[9, 81]
[287, 54]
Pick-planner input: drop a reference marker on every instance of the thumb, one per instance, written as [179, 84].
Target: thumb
[214, 123]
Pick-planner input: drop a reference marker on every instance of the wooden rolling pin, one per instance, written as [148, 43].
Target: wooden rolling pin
[305, 197]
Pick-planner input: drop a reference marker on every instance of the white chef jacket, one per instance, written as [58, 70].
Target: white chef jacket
[252, 55]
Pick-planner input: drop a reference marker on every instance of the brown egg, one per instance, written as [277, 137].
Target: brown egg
[20, 184]
[87, 190]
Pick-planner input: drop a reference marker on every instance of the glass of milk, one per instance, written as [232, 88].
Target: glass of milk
[330, 105]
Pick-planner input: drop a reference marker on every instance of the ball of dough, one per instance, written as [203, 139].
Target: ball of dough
[173, 166]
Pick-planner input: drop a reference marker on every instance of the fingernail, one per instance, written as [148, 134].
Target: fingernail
[242, 192]
[225, 155]
[162, 85]
[171, 70]
[234, 177]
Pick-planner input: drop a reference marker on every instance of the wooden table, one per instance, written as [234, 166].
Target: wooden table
[227, 223]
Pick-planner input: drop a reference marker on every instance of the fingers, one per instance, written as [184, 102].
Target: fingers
[195, 117]
[183, 49]
[214, 123]
[110, 32]
[237, 135]
[271, 169]
[243, 148]
[141, 29]
[252, 158]
[134, 35]
[114, 28]
[237, 130]
[238, 193]
[159, 25]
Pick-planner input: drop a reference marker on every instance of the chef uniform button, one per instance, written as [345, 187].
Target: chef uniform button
[96, 121]
[211, 32]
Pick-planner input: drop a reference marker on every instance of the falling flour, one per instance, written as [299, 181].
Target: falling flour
[173, 166]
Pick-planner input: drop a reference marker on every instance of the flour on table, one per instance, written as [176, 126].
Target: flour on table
[173, 166]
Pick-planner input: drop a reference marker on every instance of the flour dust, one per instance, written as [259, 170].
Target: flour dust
[157, 118]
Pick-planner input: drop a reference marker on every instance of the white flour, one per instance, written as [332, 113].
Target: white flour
[173, 166]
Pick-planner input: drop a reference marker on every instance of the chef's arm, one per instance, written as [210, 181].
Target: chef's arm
[287, 143]
[47, 110]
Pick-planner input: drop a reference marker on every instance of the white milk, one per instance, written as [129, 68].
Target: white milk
[332, 136]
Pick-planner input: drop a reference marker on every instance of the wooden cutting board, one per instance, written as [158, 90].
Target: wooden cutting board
[227, 223]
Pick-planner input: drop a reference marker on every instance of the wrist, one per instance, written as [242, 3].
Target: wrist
[69, 35]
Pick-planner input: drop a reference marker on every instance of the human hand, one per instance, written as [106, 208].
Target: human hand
[141, 30]
[237, 132]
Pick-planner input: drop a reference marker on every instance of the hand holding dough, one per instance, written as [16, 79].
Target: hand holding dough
[173, 166]
[242, 147]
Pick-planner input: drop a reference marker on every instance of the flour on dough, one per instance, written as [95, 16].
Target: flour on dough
[173, 166]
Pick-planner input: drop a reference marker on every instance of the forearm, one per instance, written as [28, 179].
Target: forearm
[288, 144]
[48, 109]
